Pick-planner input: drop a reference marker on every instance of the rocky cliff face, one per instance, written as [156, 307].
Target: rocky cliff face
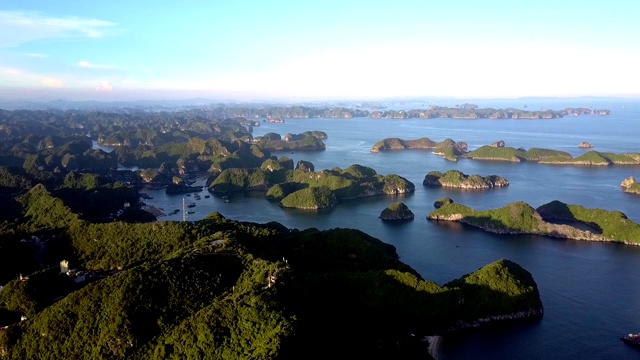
[630, 185]
[527, 314]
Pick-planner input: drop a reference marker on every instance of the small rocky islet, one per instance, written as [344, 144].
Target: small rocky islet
[630, 185]
[397, 212]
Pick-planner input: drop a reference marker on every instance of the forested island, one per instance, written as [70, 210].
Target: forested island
[222, 288]
[554, 219]
[306, 141]
[303, 188]
[546, 156]
[457, 179]
[453, 151]
[447, 148]
[397, 212]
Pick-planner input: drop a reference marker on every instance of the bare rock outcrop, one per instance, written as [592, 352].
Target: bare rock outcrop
[630, 185]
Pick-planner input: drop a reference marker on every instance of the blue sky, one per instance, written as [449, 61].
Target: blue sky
[312, 50]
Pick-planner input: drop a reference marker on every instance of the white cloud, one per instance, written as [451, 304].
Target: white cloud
[438, 69]
[105, 86]
[10, 71]
[22, 78]
[20, 27]
[37, 55]
[50, 81]
[88, 65]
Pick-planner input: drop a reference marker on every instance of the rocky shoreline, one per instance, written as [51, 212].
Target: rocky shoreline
[433, 342]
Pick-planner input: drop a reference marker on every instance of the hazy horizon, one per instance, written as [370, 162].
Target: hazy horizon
[317, 51]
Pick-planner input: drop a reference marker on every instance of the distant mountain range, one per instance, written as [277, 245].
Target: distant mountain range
[378, 104]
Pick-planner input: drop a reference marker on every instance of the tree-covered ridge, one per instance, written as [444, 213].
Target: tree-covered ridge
[457, 179]
[311, 198]
[555, 219]
[226, 289]
[512, 154]
[281, 182]
[447, 148]
[547, 156]
[453, 151]
[307, 141]
[195, 155]
[174, 146]
[80, 191]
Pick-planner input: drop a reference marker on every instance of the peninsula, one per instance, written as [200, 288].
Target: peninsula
[555, 219]
[180, 289]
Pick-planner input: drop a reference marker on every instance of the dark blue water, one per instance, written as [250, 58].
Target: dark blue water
[590, 291]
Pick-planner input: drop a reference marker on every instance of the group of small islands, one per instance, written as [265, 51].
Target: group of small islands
[497, 151]
[555, 219]
[143, 289]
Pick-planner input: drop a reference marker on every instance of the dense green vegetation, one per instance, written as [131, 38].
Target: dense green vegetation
[496, 153]
[352, 182]
[515, 218]
[457, 179]
[502, 277]
[452, 151]
[448, 148]
[225, 289]
[317, 197]
[308, 141]
[600, 158]
[546, 156]
[442, 201]
[553, 219]
[194, 143]
[279, 191]
[613, 225]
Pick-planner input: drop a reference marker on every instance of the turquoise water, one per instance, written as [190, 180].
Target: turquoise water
[590, 291]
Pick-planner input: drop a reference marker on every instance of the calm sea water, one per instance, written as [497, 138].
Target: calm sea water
[590, 291]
